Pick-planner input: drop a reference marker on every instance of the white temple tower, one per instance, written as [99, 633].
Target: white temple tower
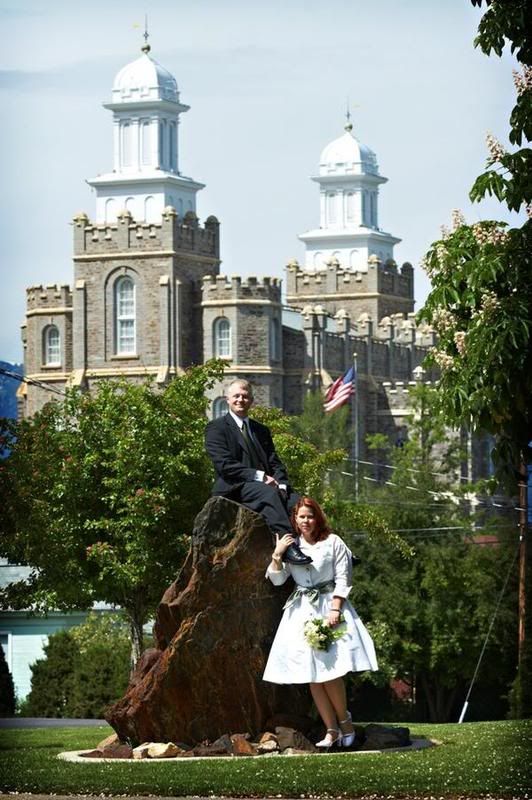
[349, 230]
[145, 177]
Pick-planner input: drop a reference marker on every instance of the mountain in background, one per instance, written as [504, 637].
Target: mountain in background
[8, 390]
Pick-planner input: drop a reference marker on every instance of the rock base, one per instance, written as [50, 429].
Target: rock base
[214, 630]
[284, 741]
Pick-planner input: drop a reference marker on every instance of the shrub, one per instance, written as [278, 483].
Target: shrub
[85, 669]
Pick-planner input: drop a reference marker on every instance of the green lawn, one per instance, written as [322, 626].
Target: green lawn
[482, 758]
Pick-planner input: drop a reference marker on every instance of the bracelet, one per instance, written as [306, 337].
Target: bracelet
[338, 610]
[276, 557]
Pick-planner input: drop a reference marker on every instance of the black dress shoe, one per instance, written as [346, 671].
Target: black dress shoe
[294, 555]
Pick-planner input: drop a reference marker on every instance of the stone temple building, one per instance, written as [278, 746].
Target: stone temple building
[147, 296]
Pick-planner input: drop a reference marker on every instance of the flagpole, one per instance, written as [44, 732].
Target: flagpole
[356, 425]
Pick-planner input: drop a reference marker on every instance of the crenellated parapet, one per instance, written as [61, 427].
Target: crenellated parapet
[230, 289]
[339, 280]
[172, 234]
[51, 297]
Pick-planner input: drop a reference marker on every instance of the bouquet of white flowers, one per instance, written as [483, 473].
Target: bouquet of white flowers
[321, 636]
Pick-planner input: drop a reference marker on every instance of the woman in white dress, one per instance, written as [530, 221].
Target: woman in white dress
[321, 592]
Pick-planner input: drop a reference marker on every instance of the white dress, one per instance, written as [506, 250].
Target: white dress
[292, 659]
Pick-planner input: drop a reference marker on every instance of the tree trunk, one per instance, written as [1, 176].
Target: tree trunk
[429, 697]
[137, 617]
[439, 699]
[137, 641]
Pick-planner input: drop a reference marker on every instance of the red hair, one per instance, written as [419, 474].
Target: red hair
[322, 527]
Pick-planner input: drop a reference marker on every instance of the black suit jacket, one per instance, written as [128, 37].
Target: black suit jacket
[232, 463]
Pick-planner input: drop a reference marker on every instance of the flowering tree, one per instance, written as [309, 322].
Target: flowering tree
[480, 303]
[99, 495]
[481, 300]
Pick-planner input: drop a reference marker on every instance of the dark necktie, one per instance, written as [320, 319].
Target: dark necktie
[252, 450]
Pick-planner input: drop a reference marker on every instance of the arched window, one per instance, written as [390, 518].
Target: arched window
[222, 338]
[145, 137]
[126, 144]
[162, 143]
[275, 340]
[331, 208]
[172, 142]
[219, 407]
[52, 346]
[350, 207]
[150, 209]
[365, 209]
[125, 316]
[110, 210]
[374, 209]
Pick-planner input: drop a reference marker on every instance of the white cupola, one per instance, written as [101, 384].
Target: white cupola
[349, 190]
[145, 177]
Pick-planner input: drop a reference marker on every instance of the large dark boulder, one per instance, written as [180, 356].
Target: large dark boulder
[214, 629]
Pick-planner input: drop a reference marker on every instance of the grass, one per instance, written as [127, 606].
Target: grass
[490, 759]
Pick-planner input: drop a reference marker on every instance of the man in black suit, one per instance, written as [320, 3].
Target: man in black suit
[247, 467]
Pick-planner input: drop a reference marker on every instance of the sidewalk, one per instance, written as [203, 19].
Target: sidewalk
[47, 722]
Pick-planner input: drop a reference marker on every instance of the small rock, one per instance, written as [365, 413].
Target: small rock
[112, 739]
[142, 750]
[269, 746]
[241, 746]
[290, 738]
[163, 750]
[298, 722]
[294, 751]
[268, 737]
[223, 742]
[208, 750]
[117, 750]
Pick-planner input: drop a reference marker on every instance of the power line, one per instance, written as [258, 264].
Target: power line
[442, 494]
[31, 381]
[481, 656]
[407, 469]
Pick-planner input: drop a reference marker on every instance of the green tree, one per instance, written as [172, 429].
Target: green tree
[101, 492]
[481, 304]
[84, 669]
[52, 678]
[101, 671]
[437, 605]
[324, 431]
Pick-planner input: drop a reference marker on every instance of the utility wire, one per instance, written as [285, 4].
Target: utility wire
[407, 469]
[473, 679]
[31, 381]
[442, 494]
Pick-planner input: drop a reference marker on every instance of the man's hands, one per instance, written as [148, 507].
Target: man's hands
[281, 487]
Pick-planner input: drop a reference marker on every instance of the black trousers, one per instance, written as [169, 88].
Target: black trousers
[272, 505]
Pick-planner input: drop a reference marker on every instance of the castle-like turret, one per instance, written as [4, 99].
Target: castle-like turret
[145, 177]
[349, 230]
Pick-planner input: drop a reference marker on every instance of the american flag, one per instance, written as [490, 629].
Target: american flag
[340, 392]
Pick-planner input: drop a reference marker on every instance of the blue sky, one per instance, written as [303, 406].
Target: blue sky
[267, 83]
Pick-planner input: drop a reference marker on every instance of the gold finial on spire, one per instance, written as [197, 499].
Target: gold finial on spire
[146, 47]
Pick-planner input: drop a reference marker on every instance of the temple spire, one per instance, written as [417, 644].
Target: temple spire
[146, 46]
